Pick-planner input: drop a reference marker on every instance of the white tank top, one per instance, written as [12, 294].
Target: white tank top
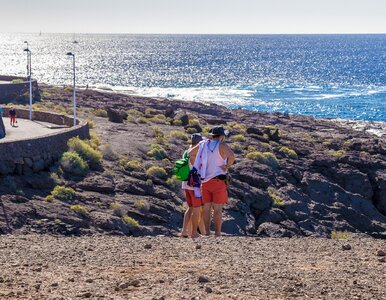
[215, 161]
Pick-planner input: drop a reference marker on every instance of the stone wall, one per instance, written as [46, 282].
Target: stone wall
[34, 155]
[17, 91]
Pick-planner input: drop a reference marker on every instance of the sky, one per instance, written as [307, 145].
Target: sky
[194, 16]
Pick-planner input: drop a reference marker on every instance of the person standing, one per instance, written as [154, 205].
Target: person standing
[12, 116]
[192, 214]
[213, 158]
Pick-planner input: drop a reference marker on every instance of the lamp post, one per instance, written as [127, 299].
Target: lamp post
[29, 70]
[73, 65]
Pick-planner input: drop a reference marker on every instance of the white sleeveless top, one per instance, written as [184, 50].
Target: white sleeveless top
[215, 161]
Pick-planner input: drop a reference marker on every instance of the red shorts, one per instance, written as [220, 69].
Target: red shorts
[12, 118]
[191, 199]
[214, 191]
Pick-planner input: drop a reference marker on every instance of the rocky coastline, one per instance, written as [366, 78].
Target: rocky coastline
[294, 176]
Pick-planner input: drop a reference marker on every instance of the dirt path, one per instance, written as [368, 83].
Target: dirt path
[102, 267]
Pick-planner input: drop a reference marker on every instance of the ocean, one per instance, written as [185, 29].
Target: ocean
[326, 76]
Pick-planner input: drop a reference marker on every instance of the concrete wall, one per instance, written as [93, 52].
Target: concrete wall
[34, 155]
[17, 91]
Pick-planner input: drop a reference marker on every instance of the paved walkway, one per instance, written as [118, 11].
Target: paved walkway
[27, 129]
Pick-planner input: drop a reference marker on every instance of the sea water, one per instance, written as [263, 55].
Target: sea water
[329, 76]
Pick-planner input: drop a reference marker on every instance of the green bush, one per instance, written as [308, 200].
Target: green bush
[289, 152]
[338, 154]
[191, 130]
[142, 205]
[134, 113]
[142, 120]
[238, 137]
[49, 198]
[157, 152]
[236, 147]
[109, 153]
[14, 81]
[63, 193]
[130, 165]
[94, 141]
[157, 172]
[158, 119]
[89, 154]
[238, 127]
[173, 183]
[80, 209]
[194, 122]
[178, 135]
[72, 163]
[99, 112]
[277, 201]
[339, 235]
[130, 221]
[177, 122]
[266, 158]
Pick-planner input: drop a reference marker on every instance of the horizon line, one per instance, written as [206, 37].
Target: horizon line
[192, 33]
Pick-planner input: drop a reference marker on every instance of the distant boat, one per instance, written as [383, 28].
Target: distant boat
[74, 41]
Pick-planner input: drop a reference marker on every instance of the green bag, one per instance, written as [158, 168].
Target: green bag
[181, 167]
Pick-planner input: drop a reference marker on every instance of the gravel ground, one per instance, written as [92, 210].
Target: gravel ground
[106, 267]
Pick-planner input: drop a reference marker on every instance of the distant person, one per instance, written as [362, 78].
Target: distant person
[213, 158]
[12, 116]
[192, 214]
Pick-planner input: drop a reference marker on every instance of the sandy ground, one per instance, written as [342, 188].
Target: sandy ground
[103, 267]
[26, 129]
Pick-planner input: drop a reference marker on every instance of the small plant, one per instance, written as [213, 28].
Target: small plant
[236, 147]
[142, 120]
[142, 205]
[130, 221]
[134, 113]
[339, 235]
[238, 127]
[15, 81]
[72, 163]
[177, 123]
[130, 165]
[178, 135]
[94, 141]
[117, 209]
[63, 193]
[238, 137]
[276, 199]
[289, 152]
[68, 89]
[158, 119]
[90, 123]
[109, 153]
[80, 209]
[251, 149]
[338, 154]
[191, 130]
[266, 158]
[173, 183]
[158, 132]
[99, 112]
[157, 152]
[49, 198]
[150, 111]
[194, 122]
[89, 154]
[157, 172]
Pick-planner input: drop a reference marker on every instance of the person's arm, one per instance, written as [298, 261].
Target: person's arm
[228, 155]
[193, 154]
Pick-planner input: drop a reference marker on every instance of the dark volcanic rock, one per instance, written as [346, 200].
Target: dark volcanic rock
[114, 115]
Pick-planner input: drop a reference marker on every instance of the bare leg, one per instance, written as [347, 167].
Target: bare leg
[186, 224]
[201, 224]
[217, 217]
[194, 218]
[206, 217]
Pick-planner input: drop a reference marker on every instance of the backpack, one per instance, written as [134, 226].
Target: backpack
[181, 167]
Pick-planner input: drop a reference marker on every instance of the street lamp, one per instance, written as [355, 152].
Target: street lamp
[73, 65]
[25, 42]
[29, 68]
